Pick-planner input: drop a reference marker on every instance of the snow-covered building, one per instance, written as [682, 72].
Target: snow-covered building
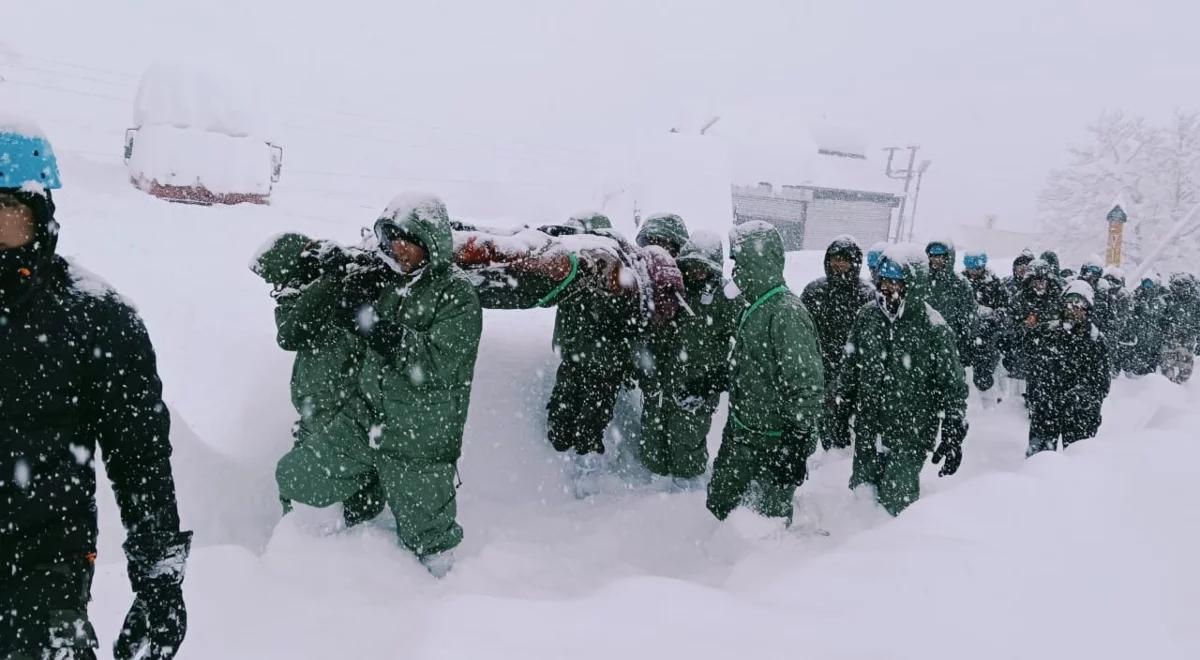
[193, 141]
[837, 189]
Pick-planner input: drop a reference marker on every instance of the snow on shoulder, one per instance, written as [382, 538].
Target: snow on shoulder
[92, 285]
[935, 317]
[426, 207]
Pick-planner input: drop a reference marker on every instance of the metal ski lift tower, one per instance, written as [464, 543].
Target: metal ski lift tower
[907, 175]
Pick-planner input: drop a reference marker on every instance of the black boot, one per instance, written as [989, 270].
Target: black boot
[363, 505]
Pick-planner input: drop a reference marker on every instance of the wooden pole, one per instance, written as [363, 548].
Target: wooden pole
[1116, 240]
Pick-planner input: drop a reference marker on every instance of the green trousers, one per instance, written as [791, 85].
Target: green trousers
[742, 475]
[333, 461]
[896, 474]
[674, 440]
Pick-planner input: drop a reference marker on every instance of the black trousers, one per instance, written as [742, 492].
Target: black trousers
[43, 609]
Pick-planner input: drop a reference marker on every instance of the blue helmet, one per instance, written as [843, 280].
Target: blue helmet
[975, 261]
[27, 159]
[937, 248]
[1147, 283]
[890, 270]
[873, 258]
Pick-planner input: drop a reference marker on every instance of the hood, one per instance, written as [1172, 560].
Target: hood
[1024, 258]
[704, 247]
[279, 262]
[847, 247]
[1051, 257]
[424, 218]
[1182, 285]
[590, 221]
[1039, 268]
[757, 251]
[22, 269]
[666, 229]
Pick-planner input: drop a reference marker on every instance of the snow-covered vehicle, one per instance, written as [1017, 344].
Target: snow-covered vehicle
[192, 143]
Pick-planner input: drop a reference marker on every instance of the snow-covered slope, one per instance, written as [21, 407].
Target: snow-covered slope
[1083, 554]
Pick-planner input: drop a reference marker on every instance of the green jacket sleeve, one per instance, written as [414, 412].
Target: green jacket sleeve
[302, 317]
[801, 375]
[949, 380]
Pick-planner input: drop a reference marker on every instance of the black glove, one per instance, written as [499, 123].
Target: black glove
[954, 431]
[790, 463]
[157, 621]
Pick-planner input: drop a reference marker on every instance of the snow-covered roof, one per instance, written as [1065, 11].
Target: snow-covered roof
[829, 156]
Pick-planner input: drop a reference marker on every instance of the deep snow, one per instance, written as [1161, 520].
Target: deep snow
[1088, 553]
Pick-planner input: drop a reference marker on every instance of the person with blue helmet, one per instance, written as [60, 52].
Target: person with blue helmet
[991, 300]
[874, 257]
[951, 295]
[80, 374]
[900, 384]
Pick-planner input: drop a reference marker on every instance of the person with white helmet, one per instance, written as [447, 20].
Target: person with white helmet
[80, 375]
[1068, 373]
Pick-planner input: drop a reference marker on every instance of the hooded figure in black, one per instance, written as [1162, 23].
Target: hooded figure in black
[833, 302]
[1068, 374]
[1036, 302]
[1181, 326]
[79, 375]
[1146, 330]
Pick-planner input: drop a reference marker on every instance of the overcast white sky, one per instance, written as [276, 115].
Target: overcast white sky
[991, 90]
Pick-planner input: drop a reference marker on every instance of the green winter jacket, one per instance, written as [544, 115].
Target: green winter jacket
[901, 376]
[776, 378]
[325, 371]
[691, 353]
[667, 231]
[417, 376]
[951, 294]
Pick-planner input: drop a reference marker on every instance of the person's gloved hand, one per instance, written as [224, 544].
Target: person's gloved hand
[157, 621]
[690, 403]
[791, 456]
[954, 431]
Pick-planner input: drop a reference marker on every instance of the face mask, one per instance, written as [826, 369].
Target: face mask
[16, 270]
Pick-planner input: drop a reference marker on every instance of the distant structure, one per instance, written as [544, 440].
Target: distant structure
[194, 142]
[838, 190]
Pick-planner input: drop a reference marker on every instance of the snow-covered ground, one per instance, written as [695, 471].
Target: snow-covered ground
[1088, 553]
[1082, 554]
